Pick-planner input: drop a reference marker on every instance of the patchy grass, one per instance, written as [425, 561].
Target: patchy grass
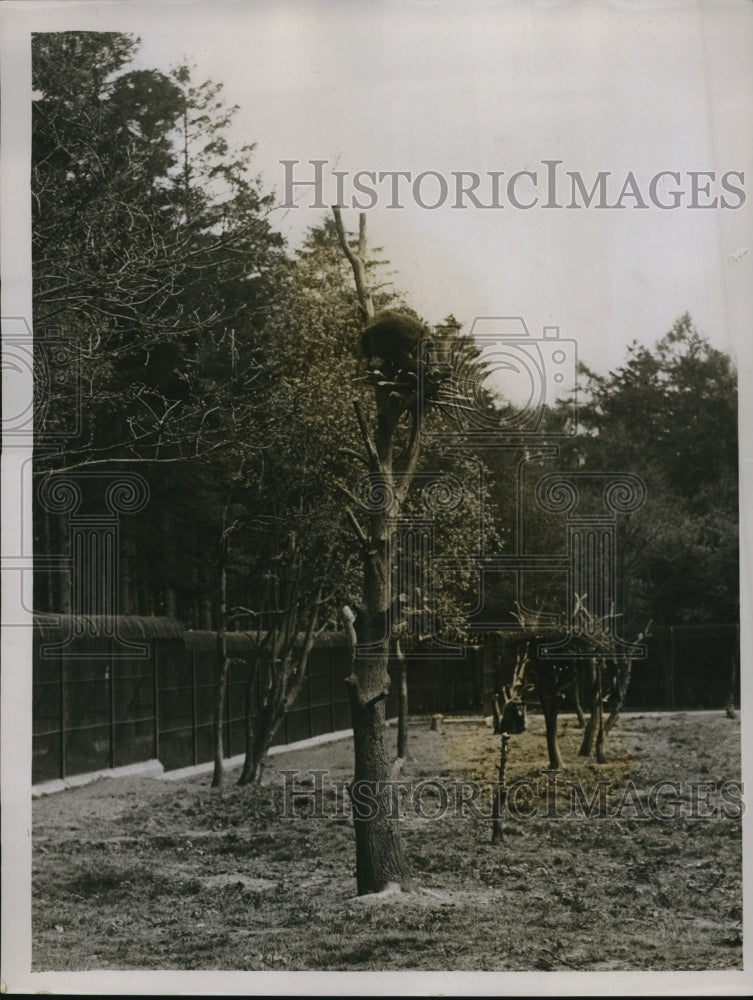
[138, 873]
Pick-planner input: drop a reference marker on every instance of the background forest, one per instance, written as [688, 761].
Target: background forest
[221, 364]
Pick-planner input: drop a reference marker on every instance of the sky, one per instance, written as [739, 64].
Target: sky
[443, 87]
[380, 85]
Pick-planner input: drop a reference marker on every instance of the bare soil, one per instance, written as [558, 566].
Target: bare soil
[141, 873]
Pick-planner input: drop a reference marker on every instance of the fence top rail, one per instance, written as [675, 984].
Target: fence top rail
[697, 628]
[238, 641]
[50, 626]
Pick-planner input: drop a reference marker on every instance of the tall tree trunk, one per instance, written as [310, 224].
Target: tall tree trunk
[253, 761]
[259, 739]
[549, 699]
[219, 709]
[380, 861]
[732, 696]
[260, 734]
[601, 735]
[285, 672]
[250, 763]
[594, 737]
[551, 712]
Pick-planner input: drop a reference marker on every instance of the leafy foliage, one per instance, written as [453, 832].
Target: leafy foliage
[670, 415]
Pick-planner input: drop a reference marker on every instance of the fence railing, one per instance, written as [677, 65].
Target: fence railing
[96, 707]
[686, 667]
[103, 700]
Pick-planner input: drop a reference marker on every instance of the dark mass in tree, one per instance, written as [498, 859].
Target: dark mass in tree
[393, 338]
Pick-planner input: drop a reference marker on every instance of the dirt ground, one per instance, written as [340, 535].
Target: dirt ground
[141, 873]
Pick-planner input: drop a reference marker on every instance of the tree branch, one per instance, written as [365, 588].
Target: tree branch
[353, 454]
[346, 492]
[356, 260]
[409, 460]
[371, 449]
[360, 535]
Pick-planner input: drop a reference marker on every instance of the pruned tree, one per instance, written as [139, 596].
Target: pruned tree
[623, 666]
[391, 446]
[604, 664]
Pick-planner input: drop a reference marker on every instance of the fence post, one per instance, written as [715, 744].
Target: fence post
[111, 672]
[672, 667]
[284, 718]
[155, 681]
[308, 700]
[330, 667]
[193, 707]
[62, 716]
[228, 689]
